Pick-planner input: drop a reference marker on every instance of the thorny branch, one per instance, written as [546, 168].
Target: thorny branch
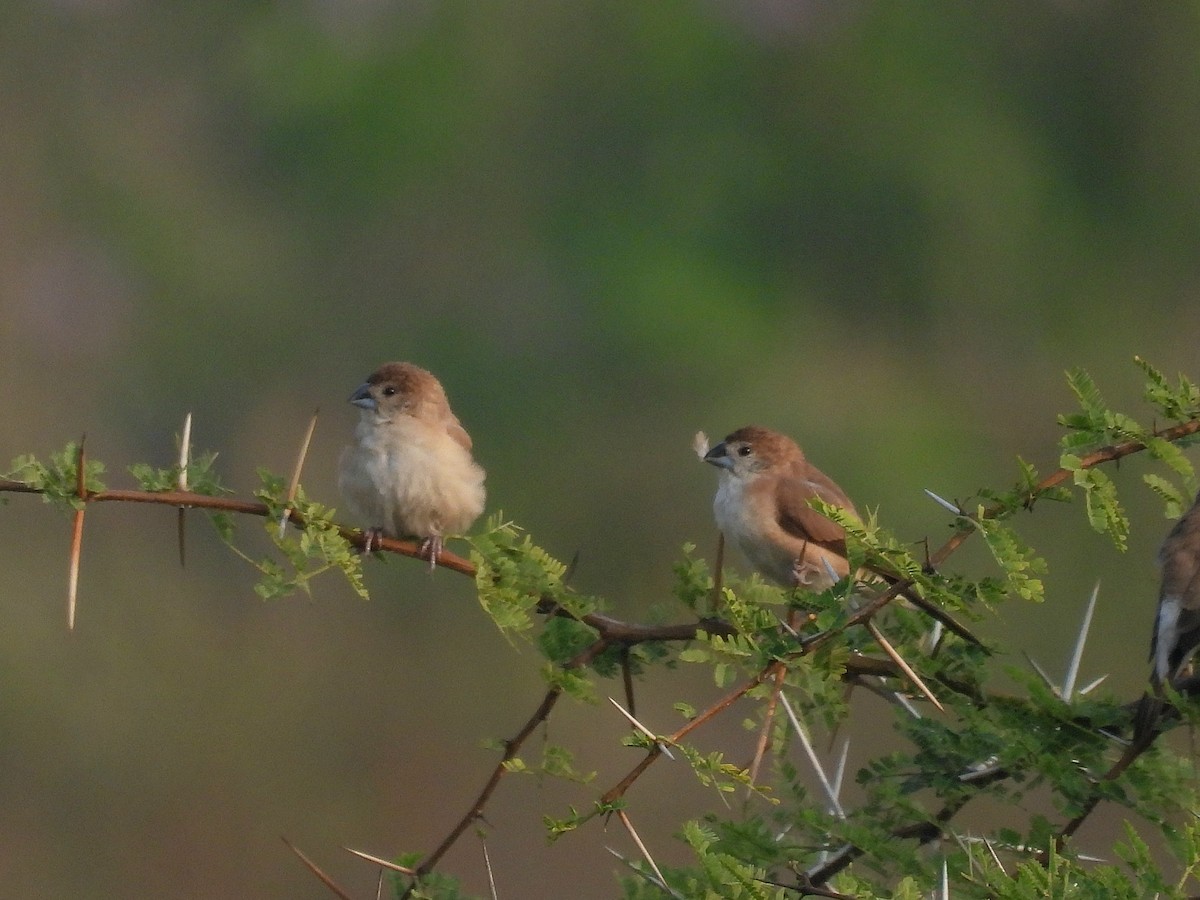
[616, 632]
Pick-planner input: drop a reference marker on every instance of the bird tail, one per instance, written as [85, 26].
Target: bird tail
[1147, 719]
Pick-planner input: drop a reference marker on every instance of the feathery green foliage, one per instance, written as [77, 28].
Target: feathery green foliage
[58, 478]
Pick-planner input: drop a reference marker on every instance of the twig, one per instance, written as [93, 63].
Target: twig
[511, 748]
[627, 678]
[618, 790]
[764, 734]
[718, 574]
[1110, 453]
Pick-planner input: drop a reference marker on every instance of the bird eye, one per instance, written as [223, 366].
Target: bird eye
[744, 450]
[389, 391]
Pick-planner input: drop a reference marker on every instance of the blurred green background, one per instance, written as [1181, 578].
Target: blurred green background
[884, 228]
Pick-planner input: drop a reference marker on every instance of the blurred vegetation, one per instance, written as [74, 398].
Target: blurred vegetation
[885, 229]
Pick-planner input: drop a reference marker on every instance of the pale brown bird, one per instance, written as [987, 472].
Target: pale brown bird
[762, 507]
[410, 472]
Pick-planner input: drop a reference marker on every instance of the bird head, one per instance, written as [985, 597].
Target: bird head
[396, 389]
[750, 450]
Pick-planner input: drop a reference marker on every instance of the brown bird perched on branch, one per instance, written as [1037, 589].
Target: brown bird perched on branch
[762, 506]
[410, 472]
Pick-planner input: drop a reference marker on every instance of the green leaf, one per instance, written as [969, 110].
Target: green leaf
[1175, 500]
[1018, 562]
[1087, 393]
[1180, 403]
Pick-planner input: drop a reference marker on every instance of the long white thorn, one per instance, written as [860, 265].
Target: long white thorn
[826, 786]
[642, 728]
[1068, 688]
[946, 504]
[1049, 682]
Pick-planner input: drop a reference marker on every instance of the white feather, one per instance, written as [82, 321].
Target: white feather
[1166, 631]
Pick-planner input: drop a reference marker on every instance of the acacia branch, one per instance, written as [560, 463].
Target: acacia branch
[1111, 453]
[613, 632]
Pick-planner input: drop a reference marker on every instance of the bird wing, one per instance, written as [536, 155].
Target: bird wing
[457, 433]
[799, 519]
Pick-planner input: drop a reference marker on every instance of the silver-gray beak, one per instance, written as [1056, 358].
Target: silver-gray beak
[362, 397]
[718, 457]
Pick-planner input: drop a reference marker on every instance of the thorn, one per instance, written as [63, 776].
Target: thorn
[908, 705]
[294, 485]
[830, 793]
[642, 728]
[788, 628]
[572, 566]
[487, 861]
[840, 773]
[829, 570]
[312, 867]
[621, 814]
[76, 533]
[1092, 685]
[1068, 688]
[1041, 673]
[995, 858]
[661, 885]
[933, 639]
[985, 769]
[385, 863]
[946, 504]
[185, 457]
[904, 667]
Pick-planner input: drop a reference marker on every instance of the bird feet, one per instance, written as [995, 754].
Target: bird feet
[431, 548]
[372, 539]
[806, 574]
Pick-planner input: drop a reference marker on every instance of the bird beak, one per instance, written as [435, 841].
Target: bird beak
[362, 397]
[718, 457]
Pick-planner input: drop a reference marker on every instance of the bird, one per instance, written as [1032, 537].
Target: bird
[1176, 634]
[762, 506]
[1177, 621]
[409, 472]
